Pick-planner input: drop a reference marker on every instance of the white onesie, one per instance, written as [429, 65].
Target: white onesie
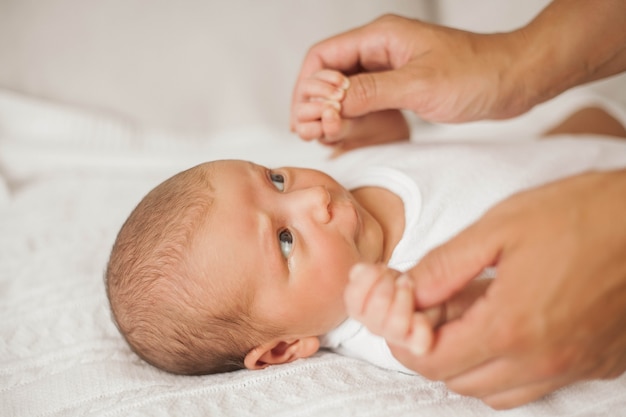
[446, 187]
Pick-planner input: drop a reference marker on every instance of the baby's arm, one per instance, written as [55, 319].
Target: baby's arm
[383, 300]
[319, 116]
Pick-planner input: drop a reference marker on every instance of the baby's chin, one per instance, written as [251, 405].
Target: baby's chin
[340, 320]
[331, 325]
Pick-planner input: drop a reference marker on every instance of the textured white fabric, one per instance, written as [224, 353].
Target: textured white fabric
[60, 354]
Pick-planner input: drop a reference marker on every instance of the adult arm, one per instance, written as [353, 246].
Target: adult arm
[449, 75]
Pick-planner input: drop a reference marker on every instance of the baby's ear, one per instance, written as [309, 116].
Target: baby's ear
[278, 352]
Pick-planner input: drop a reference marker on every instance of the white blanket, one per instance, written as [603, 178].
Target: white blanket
[69, 180]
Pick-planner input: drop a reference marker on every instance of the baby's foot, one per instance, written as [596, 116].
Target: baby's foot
[383, 300]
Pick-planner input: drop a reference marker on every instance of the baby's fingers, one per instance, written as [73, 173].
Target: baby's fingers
[319, 119]
[323, 85]
[314, 110]
[370, 294]
[334, 127]
[326, 85]
[405, 327]
[422, 335]
[362, 280]
[335, 78]
[398, 323]
[309, 130]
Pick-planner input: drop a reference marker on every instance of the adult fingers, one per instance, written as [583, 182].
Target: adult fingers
[459, 346]
[373, 91]
[449, 267]
[523, 395]
[497, 383]
[504, 374]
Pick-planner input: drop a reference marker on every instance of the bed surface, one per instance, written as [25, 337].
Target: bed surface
[65, 195]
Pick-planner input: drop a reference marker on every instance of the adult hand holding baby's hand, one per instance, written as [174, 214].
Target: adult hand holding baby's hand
[555, 313]
[448, 75]
[318, 116]
[383, 300]
[441, 74]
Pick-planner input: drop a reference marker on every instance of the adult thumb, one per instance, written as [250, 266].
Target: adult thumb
[450, 267]
[374, 91]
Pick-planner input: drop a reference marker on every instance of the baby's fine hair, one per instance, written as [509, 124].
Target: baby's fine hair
[165, 316]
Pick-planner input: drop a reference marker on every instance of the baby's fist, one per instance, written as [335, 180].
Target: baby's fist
[382, 299]
[317, 113]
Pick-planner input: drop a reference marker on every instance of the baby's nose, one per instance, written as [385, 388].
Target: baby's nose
[316, 202]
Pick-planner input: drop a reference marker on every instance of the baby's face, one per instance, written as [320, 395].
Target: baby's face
[288, 236]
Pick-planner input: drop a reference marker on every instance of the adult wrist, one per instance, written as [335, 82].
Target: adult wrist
[543, 69]
[571, 42]
[505, 53]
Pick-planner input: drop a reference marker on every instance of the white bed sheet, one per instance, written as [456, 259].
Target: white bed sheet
[71, 179]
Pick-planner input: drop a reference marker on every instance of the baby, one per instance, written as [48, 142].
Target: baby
[231, 265]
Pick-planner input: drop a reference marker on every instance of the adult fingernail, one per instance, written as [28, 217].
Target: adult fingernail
[345, 84]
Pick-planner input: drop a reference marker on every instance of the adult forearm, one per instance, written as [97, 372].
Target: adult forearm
[571, 42]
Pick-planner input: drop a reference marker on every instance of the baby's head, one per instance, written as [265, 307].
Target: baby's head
[230, 265]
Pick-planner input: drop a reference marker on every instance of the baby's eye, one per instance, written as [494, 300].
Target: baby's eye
[286, 242]
[278, 181]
